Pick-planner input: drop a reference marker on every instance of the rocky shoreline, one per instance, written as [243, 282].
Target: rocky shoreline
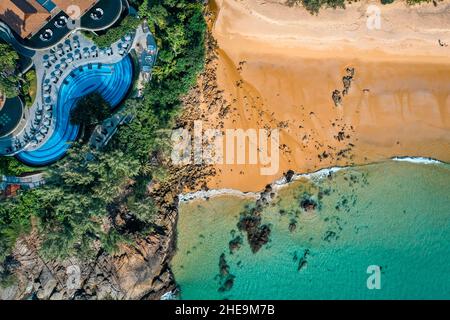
[142, 270]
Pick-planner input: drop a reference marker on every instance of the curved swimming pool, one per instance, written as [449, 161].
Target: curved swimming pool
[112, 81]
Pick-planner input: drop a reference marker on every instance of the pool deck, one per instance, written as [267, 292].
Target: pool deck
[49, 81]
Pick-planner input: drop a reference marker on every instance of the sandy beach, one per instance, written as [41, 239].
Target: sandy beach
[278, 66]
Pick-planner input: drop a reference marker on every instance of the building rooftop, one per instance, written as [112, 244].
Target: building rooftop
[24, 17]
[65, 5]
[27, 17]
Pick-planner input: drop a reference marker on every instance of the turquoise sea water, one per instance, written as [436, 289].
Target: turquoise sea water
[395, 215]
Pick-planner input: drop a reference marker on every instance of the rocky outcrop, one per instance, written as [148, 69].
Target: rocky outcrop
[337, 98]
[138, 271]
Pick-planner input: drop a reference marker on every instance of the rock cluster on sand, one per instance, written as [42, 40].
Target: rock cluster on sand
[347, 82]
[337, 98]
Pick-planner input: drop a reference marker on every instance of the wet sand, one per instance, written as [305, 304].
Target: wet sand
[278, 66]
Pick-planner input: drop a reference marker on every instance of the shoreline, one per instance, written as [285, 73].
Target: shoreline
[282, 182]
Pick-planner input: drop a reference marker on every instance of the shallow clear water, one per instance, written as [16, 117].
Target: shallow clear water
[395, 215]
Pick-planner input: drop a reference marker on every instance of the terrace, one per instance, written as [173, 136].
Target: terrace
[65, 72]
[48, 22]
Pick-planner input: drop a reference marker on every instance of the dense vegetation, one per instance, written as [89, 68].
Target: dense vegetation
[179, 27]
[313, 6]
[12, 167]
[29, 87]
[94, 200]
[9, 81]
[90, 110]
[127, 25]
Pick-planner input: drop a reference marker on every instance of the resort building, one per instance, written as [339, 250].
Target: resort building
[27, 17]
[68, 65]
[40, 24]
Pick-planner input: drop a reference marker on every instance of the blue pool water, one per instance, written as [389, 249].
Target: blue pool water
[112, 81]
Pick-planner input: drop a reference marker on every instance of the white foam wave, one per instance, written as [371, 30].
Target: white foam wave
[421, 160]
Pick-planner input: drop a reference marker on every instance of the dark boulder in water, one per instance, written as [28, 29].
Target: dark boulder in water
[235, 244]
[303, 262]
[308, 204]
[227, 284]
[330, 235]
[226, 279]
[289, 175]
[224, 268]
[292, 226]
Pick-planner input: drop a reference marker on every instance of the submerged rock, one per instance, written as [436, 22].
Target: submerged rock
[303, 262]
[292, 226]
[224, 268]
[226, 279]
[289, 175]
[235, 244]
[308, 204]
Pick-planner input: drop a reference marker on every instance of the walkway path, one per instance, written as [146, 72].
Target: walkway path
[29, 182]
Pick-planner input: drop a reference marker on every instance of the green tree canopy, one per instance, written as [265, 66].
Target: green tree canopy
[9, 81]
[90, 109]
